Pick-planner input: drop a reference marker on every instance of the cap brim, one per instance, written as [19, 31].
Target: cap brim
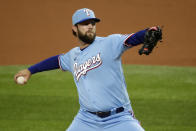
[95, 19]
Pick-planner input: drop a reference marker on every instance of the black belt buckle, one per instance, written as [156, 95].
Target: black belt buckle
[108, 113]
[103, 114]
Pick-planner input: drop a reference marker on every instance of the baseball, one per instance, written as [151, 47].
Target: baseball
[20, 80]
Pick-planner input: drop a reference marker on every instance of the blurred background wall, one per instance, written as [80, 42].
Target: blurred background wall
[32, 30]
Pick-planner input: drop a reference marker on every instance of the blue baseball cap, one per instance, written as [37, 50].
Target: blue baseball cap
[82, 15]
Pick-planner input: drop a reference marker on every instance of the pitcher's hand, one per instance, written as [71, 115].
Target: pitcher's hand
[24, 73]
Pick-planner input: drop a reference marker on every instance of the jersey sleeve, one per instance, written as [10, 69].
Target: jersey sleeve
[118, 45]
[64, 61]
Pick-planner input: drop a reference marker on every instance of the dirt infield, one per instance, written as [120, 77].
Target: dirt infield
[33, 30]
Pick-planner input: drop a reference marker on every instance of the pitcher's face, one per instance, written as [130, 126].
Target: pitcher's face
[86, 31]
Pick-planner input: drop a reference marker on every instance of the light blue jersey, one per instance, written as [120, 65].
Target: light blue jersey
[98, 73]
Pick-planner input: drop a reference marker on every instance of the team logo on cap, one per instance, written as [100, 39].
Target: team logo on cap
[88, 65]
[87, 11]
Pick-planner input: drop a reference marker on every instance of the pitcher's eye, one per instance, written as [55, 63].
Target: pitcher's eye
[88, 22]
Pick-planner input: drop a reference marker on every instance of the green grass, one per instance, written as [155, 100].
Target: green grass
[163, 98]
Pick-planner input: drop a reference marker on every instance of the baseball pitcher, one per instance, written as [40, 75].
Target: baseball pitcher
[97, 71]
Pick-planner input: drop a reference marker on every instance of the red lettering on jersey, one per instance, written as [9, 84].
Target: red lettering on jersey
[90, 64]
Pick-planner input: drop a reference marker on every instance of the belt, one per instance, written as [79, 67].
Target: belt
[108, 113]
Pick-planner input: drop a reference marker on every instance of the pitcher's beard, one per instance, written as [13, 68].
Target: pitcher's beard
[86, 38]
